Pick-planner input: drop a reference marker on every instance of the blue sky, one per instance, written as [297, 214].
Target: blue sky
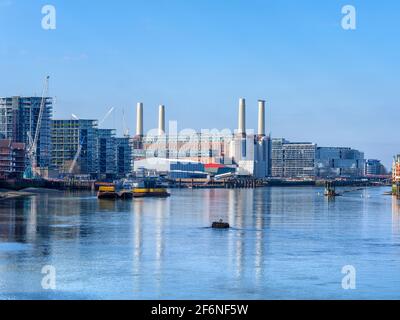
[322, 83]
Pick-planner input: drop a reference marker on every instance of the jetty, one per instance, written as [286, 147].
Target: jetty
[330, 189]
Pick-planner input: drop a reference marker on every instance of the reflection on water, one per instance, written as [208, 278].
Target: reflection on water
[284, 243]
[396, 215]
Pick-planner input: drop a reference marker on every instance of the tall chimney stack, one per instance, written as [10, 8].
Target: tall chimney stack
[242, 117]
[139, 119]
[161, 120]
[261, 118]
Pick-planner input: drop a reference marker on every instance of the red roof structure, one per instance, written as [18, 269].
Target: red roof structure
[214, 166]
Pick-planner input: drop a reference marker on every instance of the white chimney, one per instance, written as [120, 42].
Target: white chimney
[161, 120]
[242, 117]
[261, 118]
[139, 119]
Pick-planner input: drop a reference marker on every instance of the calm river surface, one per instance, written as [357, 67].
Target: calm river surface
[286, 243]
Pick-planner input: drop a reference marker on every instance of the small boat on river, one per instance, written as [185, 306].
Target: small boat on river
[149, 188]
[107, 192]
[144, 188]
[220, 225]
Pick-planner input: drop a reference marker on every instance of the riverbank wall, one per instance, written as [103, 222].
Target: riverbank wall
[20, 184]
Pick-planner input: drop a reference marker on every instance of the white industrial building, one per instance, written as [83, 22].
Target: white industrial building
[249, 152]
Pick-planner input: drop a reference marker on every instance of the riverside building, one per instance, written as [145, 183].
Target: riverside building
[396, 175]
[81, 148]
[18, 122]
[335, 162]
[396, 169]
[293, 159]
[123, 156]
[74, 147]
[107, 153]
[12, 159]
[249, 152]
[307, 160]
[374, 167]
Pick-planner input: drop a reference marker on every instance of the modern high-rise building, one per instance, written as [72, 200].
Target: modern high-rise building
[299, 159]
[339, 162]
[293, 159]
[75, 140]
[107, 153]
[277, 158]
[81, 148]
[124, 156]
[18, 122]
[374, 167]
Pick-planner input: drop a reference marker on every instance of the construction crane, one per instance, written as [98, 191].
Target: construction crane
[77, 155]
[78, 152]
[82, 141]
[125, 128]
[106, 116]
[32, 171]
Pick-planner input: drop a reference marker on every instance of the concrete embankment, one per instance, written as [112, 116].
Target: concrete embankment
[17, 185]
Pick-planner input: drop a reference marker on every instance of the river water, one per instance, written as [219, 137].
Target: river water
[285, 243]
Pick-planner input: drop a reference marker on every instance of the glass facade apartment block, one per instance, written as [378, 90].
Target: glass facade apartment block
[107, 153]
[339, 162]
[70, 136]
[124, 156]
[18, 122]
[374, 167]
[277, 157]
[293, 159]
[299, 160]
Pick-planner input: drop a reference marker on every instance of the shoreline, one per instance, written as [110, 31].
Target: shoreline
[22, 185]
[6, 195]
[31, 191]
